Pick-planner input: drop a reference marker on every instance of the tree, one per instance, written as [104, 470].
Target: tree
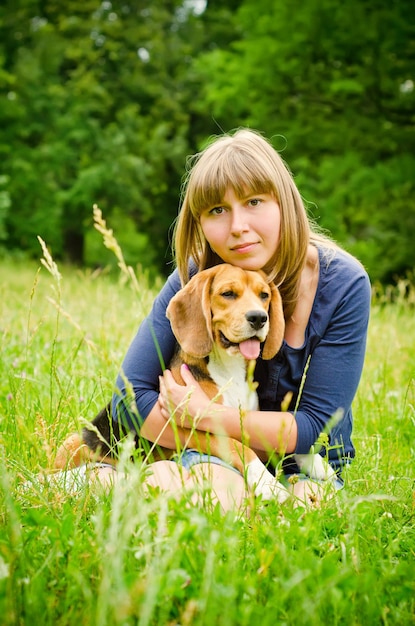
[331, 83]
[101, 102]
[95, 111]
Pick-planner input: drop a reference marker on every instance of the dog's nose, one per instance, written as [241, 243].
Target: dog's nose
[257, 319]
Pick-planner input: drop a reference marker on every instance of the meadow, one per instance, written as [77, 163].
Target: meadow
[119, 558]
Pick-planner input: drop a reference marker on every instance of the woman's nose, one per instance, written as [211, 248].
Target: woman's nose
[239, 222]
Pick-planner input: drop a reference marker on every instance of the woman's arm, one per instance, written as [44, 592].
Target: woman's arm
[156, 429]
[189, 406]
[335, 368]
[153, 346]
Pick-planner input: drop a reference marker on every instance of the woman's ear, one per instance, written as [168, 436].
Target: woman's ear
[275, 336]
[189, 315]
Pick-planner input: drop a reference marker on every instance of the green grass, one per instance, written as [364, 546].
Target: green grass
[122, 558]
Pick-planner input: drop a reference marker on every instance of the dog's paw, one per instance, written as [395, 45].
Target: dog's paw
[315, 466]
[71, 453]
[264, 484]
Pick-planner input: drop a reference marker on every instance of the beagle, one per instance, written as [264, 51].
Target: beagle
[223, 318]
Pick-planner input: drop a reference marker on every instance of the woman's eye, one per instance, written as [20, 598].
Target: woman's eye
[217, 210]
[254, 201]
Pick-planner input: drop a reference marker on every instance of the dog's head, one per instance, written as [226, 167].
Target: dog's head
[231, 308]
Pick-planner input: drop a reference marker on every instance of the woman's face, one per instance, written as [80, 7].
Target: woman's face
[243, 231]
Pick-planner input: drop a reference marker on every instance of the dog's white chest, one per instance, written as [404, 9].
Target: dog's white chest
[235, 390]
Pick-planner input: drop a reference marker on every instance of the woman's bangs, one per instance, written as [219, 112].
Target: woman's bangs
[250, 178]
[206, 193]
[239, 172]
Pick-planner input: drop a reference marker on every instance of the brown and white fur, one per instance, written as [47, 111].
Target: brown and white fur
[220, 319]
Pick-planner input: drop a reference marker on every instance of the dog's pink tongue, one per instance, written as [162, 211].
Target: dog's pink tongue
[250, 348]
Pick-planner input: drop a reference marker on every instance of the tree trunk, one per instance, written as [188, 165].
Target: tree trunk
[73, 246]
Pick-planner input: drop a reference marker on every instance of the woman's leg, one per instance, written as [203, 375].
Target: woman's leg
[312, 493]
[206, 483]
[166, 475]
[225, 486]
[211, 483]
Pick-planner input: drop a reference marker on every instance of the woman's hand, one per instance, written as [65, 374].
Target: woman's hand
[187, 404]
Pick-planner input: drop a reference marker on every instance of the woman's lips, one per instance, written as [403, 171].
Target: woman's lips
[244, 247]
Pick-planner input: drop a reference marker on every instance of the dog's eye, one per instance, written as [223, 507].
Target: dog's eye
[229, 295]
[264, 295]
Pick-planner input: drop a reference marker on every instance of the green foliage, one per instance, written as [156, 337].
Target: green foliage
[135, 245]
[331, 84]
[101, 102]
[5, 204]
[377, 220]
[121, 558]
[95, 113]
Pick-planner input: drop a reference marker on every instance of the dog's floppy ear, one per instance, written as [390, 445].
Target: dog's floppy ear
[190, 316]
[275, 335]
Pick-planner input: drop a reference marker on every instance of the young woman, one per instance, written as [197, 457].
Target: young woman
[241, 206]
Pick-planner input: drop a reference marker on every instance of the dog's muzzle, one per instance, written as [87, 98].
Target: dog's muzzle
[257, 319]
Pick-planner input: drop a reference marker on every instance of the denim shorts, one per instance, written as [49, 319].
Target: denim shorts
[189, 458]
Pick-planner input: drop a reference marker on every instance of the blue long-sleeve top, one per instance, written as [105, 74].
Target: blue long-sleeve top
[327, 368]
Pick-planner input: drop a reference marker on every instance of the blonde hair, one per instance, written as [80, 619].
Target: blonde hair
[246, 162]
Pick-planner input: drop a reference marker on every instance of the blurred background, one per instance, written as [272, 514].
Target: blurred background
[102, 102]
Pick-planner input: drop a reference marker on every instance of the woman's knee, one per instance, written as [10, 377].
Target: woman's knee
[204, 482]
[221, 484]
[166, 475]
